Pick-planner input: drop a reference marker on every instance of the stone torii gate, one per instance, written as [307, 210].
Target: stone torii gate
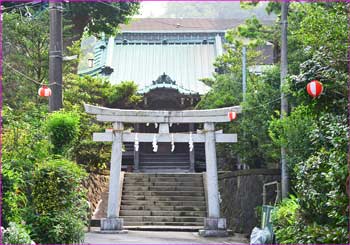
[214, 225]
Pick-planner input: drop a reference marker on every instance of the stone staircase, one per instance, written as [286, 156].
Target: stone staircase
[168, 162]
[163, 200]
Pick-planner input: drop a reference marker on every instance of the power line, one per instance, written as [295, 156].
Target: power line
[27, 77]
[262, 105]
[20, 5]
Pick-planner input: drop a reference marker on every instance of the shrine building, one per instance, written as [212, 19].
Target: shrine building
[167, 59]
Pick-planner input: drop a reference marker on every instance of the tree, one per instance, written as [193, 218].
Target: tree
[99, 17]
[93, 17]
[25, 51]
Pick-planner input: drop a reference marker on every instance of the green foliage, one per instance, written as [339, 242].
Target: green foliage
[319, 185]
[229, 90]
[124, 95]
[24, 141]
[294, 132]
[87, 89]
[13, 198]
[333, 98]
[92, 90]
[262, 99]
[93, 155]
[63, 128]
[23, 144]
[15, 234]
[320, 179]
[322, 28]
[26, 50]
[100, 17]
[290, 227]
[59, 207]
[285, 220]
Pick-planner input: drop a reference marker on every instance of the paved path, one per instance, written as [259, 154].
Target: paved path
[158, 237]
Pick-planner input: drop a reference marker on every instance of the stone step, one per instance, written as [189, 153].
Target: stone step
[140, 183]
[163, 198]
[127, 225]
[161, 219]
[164, 193]
[199, 225]
[132, 175]
[160, 204]
[164, 179]
[162, 207]
[162, 163]
[162, 213]
[163, 188]
[166, 169]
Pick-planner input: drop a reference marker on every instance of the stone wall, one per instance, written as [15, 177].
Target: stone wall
[241, 193]
[96, 184]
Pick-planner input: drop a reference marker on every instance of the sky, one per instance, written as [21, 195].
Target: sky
[156, 9]
[152, 9]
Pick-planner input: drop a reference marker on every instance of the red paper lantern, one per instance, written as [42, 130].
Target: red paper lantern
[314, 88]
[232, 115]
[44, 91]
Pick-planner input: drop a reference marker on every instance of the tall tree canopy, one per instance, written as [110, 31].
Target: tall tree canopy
[93, 17]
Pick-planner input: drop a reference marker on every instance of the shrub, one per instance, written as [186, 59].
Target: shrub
[319, 214]
[13, 199]
[63, 129]
[290, 227]
[59, 207]
[285, 221]
[93, 155]
[15, 234]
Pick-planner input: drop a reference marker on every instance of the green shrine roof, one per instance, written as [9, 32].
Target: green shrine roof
[183, 49]
[174, 47]
[183, 63]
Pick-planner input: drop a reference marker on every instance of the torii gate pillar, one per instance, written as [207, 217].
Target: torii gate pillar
[213, 224]
[114, 224]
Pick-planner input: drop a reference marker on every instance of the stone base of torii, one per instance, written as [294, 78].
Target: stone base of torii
[214, 225]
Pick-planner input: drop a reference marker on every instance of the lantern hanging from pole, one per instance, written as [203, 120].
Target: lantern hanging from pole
[232, 115]
[44, 91]
[314, 88]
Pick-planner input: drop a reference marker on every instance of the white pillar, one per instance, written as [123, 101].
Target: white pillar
[213, 225]
[212, 175]
[114, 179]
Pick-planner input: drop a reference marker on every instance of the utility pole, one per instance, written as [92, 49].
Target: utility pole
[55, 56]
[348, 157]
[244, 72]
[284, 102]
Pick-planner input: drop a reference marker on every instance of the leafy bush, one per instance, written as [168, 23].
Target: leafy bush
[15, 234]
[23, 140]
[59, 207]
[94, 155]
[24, 143]
[63, 129]
[13, 199]
[294, 133]
[285, 221]
[290, 226]
[319, 214]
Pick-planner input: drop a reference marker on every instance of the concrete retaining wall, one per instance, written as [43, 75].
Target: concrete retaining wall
[241, 193]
